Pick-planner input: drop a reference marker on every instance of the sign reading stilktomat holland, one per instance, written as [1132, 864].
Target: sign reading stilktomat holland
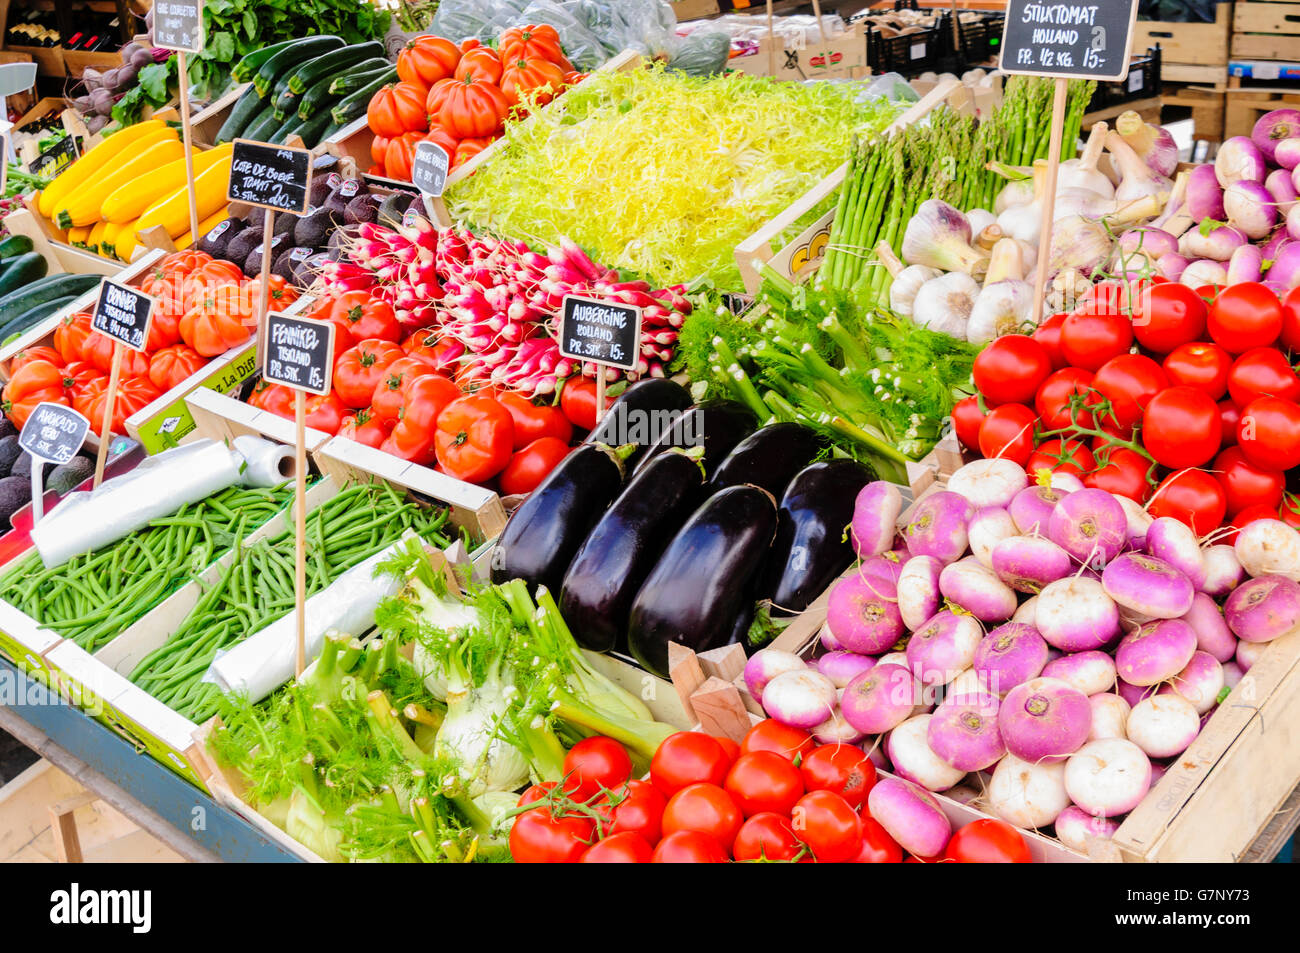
[1073, 39]
[600, 331]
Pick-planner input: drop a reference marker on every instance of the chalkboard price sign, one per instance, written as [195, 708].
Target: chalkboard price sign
[299, 353]
[54, 433]
[178, 25]
[429, 168]
[1072, 39]
[600, 331]
[123, 314]
[274, 177]
[56, 158]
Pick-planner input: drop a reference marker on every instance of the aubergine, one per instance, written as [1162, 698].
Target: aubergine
[769, 457]
[811, 547]
[701, 583]
[641, 415]
[550, 525]
[715, 425]
[604, 576]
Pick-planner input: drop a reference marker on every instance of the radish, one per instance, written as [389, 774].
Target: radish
[1155, 651]
[989, 526]
[1075, 614]
[993, 482]
[1269, 547]
[863, 614]
[1212, 632]
[1223, 570]
[909, 749]
[1074, 826]
[910, 815]
[1032, 508]
[880, 699]
[802, 699]
[764, 666]
[1248, 653]
[1108, 777]
[938, 526]
[836, 730]
[963, 731]
[875, 518]
[943, 648]
[1174, 542]
[1090, 526]
[840, 667]
[1109, 716]
[918, 590]
[1090, 672]
[1026, 794]
[1148, 585]
[1010, 655]
[1044, 720]
[975, 588]
[1263, 608]
[1028, 563]
[1199, 682]
[1163, 725]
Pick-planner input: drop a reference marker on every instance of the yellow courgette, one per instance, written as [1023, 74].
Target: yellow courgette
[78, 236]
[129, 201]
[95, 237]
[173, 212]
[93, 161]
[108, 239]
[82, 206]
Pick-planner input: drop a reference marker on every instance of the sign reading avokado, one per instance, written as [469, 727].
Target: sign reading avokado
[1073, 39]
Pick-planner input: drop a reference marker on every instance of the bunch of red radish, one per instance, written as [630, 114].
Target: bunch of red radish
[1183, 400]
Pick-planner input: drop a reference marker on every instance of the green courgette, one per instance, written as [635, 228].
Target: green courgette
[359, 76]
[34, 316]
[246, 107]
[47, 289]
[247, 67]
[331, 64]
[285, 105]
[354, 105]
[314, 130]
[22, 271]
[14, 246]
[291, 125]
[290, 58]
[264, 125]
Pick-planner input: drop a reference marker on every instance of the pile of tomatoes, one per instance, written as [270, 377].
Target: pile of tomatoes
[776, 797]
[204, 308]
[405, 394]
[1184, 400]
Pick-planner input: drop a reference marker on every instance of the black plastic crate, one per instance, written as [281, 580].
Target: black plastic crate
[910, 53]
[981, 40]
[1142, 82]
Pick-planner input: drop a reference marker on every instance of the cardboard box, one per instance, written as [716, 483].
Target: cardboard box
[841, 57]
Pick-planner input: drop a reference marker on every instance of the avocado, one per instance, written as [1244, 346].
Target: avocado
[22, 466]
[284, 223]
[68, 476]
[305, 268]
[9, 452]
[320, 190]
[7, 428]
[363, 208]
[218, 240]
[338, 200]
[253, 263]
[337, 244]
[243, 243]
[15, 493]
[312, 229]
[284, 262]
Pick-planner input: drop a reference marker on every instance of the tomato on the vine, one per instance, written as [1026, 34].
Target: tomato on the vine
[1008, 432]
[637, 807]
[1123, 472]
[1200, 365]
[624, 848]
[1245, 316]
[1010, 369]
[1269, 433]
[1247, 516]
[1048, 334]
[539, 837]
[1246, 485]
[1260, 372]
[1192, 497]
[842, 769]
[1052, 402]
[1090, 339]
[595, 763]
[1168, 315]
[770, 735]
[689, 847]
[688, 757]
[767, 837]
[829, 825]
[1230, 416]
[1181, 427]
[877, 846]
[967, 418]
[1061, 456]
[706, 808]
[1290, 336]
[762, 782]
[1128, 381]
[987, 841]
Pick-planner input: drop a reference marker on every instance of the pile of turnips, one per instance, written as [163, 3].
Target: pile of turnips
[1055, 637]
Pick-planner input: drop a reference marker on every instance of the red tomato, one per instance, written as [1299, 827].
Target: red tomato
[1199, 365]
[967, 418]
[729, 746]
[767, 837]
[688, 757]
[1048, 334]
[828, 824]
[533, 422]
[473, 438]
[689, 847]
[842, 769]
[1011, 369]
[1229, 415]
[624, 848]
[325, 413]
[365, 428]
[1290, 511]
[987, 841]
[595, 763]
[877, 846]
[1244, 316]
[1115, 296]
[538, 837]
[1262, 371]
[578, 401]
[1008, 432]
[639, 808]
[1052, 402]
[390, 392]
[1061, 456]
[1128, 382]
[1089, 340]
[1124, 473]
[1247, 516]
[533, 464]
[706, 808]
[1168, 315]
[1192, 497]
[1246, 485]
[1181, 427]
[536, 792]
[764, 781]
[1269, 433]
[771, 735]
[1290, 337]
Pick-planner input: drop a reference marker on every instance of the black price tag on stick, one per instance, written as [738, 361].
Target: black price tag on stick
[274, 177]
[299, 353]
[56, 158]
[123, 314]
[54, 433]
[429, 168]
[1073, 39]
[600, 331]
[178, 25]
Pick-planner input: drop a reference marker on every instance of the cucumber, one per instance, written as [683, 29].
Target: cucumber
[359, 76]
[21, 271]
[355, 104]
[263, 126]
[248, 66]
[290, 58]
[314, 130]
[290, 125]
[33, 316]
[285, 105]
[331, 64]
[47, 289]
[14, 246]
[246, 107]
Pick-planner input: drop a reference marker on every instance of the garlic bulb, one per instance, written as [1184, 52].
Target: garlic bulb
[902, 292]
[939, 236]
[1082, 173]
[979, 220]
[1005, 302]
[944, 303]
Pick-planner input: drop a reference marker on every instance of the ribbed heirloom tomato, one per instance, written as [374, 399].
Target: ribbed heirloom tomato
[172, 365]
[36, 383]
[427, 59]
[471, 107]
[133, 393]
[533, 41]
[524, 75]
[29, 354]
[396, 109]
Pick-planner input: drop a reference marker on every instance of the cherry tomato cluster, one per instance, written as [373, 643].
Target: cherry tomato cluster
[1184, 400]
[777, 797]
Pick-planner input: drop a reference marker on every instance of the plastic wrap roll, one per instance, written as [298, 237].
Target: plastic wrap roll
[269, 463]
[265, 660]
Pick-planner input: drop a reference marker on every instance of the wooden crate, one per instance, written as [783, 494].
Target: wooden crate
[693, 9]
[1197, 46]
[1208, 108]
[48, 59]
[1266, 31]
[1245, 106]
[75, 62]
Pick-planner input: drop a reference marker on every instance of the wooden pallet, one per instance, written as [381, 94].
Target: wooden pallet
[1208, 106]
[1189, 52]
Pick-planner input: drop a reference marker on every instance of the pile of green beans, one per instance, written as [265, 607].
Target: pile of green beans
[93, 597]
[256, 587]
